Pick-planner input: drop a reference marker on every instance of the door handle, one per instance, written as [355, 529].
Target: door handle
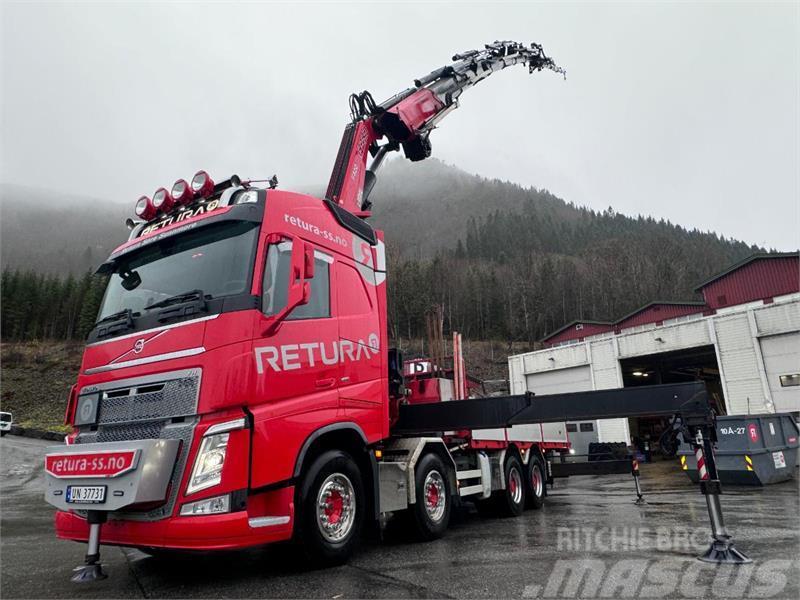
[325, 383]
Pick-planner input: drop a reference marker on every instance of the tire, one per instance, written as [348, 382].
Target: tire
[511, 501]
[430, 514]
[534, 483]
[332, 508]
[3, 433]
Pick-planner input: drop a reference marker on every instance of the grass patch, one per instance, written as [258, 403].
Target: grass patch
[35, 378]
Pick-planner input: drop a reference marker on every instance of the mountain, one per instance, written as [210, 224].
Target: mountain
[426, 206]
[507, 262]
[57, 234]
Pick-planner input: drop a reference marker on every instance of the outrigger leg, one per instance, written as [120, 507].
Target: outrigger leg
[92, 570]
[722, 550]
[635, 472]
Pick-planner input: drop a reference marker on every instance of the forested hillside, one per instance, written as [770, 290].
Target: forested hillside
[514, 263]
[507, 262]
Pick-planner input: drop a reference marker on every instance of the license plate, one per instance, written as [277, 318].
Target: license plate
[86, 494]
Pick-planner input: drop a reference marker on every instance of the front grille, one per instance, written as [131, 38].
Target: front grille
[146, 409]
[173, 398]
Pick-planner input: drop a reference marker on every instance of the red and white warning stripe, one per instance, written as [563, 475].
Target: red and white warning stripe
[701, 463]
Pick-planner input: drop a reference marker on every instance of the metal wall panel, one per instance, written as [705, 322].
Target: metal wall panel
[778, 318]
[782, 357]
[740, 367]
[675, 337]
[562, 357]
[516, 377]
[606, 375]
[605, 367]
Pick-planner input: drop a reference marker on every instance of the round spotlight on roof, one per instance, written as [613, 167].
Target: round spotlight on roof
[162, 200]
[145, 209]
[202, 185]
[181, 192]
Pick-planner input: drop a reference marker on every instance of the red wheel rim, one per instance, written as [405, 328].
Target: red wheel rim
[334, 506]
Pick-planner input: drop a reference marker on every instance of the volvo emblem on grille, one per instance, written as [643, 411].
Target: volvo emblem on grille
[138, 346]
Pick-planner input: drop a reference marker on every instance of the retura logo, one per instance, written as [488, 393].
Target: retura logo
[295, 356]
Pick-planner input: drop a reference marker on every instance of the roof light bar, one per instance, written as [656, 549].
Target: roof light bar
[202, 185]
[145, 209]
[162, 200]
[181, 192]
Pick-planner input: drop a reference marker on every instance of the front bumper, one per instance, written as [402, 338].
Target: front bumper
[250, 527]
[146, 480]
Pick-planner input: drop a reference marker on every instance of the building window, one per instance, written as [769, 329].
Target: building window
[790, 380]
[572, 428]
[587, 427]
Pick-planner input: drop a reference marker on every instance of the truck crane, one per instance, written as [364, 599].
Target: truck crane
[238, 388]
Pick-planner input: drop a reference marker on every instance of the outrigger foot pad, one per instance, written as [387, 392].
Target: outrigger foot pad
[91, 572]
[640, 501]
[722, 551]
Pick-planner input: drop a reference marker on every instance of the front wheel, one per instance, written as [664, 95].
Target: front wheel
[430, 514]
[332, 508]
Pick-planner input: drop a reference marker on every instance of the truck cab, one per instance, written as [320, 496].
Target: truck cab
[237, 338]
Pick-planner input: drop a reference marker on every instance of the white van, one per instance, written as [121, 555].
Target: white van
[5, 423]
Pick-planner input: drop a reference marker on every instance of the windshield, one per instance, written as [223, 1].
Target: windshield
[216, 259]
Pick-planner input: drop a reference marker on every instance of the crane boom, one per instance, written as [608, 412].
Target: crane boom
[406, 119]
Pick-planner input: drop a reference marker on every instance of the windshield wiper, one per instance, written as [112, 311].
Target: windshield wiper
[119, 321]
[178, 299]
[125, 312]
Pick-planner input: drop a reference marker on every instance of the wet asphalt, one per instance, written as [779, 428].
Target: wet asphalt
[589, 541]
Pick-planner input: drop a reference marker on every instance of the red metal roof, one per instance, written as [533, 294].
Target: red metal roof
[759, 277]
[656, 312]
[576, 330]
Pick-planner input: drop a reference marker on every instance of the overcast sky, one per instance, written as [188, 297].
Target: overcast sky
[678, 110]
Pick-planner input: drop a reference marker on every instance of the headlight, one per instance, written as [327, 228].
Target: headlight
[207, 469]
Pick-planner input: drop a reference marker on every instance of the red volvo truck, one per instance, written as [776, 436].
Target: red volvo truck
[238, 387]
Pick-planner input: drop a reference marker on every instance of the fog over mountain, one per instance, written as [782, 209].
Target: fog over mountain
[424, 208]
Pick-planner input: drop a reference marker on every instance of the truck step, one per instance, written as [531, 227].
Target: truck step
[470, 490]
[471, 474]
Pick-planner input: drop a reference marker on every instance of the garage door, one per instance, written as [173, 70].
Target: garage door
[574, 379]
[781, 361]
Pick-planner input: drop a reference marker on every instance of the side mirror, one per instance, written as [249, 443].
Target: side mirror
[309, 260]
[299, 292]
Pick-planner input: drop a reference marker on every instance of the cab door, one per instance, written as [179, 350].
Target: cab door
[360, 382]
[297, 366]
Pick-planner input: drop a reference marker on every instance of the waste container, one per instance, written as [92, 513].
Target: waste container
[750, 449]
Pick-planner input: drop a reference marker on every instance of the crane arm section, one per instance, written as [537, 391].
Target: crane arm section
[406, 119]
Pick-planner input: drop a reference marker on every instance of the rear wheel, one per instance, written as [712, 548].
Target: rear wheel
[332, 508]
[535, 483]
[511, 501]
[430, 514]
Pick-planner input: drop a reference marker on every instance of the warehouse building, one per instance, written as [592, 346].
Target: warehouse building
[743, 340]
